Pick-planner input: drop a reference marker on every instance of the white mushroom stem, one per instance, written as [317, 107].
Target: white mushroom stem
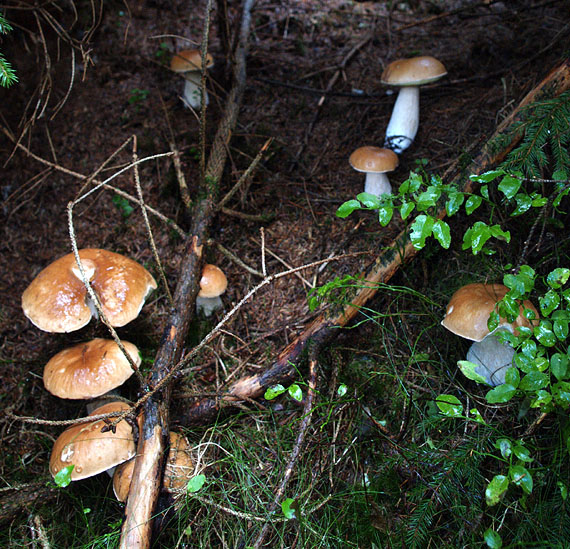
[405, 119]
[492, 358]
[192, 93]
[208, 305]
[377, 183]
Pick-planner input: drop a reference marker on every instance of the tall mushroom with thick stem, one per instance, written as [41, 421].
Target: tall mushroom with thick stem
[189, 64]
[409, 75]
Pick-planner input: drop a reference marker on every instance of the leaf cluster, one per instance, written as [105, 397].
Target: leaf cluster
[7, 74]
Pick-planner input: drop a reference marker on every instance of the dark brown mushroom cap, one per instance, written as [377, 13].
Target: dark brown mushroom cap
[374, 160]
[415, 71]
[89, 369]
[470, 307]
[213, 282]
[178, 471]
[189, 60]
[57, 300]
[91, 451]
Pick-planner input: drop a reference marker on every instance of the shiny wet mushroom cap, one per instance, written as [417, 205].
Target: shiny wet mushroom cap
[91, 451]
[57, 300]
[470, 307]
[376, 162]
[90, 369]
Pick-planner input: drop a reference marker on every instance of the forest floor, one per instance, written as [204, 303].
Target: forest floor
[373, 470]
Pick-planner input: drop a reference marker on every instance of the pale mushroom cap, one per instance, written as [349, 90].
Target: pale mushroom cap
[178, 471]
[91, 451]
[470, 307]
[189, 60]
[414, 71]
[56, 300]
[374, 160]
[90, 369]
[213, 282]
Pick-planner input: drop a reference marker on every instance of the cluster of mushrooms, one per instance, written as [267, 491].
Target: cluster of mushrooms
[467, 314]
[408, 75]
[58, 301]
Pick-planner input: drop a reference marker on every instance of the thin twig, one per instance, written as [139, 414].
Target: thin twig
[307, 413]
[233, 257]
[103, 184]
[147, 224]
[93, 295]
[246, 175]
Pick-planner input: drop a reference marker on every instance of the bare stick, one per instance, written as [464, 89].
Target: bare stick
[246, 175]
[147, 474]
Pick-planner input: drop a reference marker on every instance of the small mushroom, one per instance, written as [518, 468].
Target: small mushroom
[90, 450]
[177, 472]
[213, 284]
[189, 64]
[409, 75]
[89, 370]
[375, 162]
[57, 300]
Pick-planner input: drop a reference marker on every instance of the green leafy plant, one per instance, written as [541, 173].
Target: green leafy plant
[516, 455]
[7, 74]
[294, 391]
[532, 181]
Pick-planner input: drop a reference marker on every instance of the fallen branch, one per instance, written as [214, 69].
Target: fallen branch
[147, 474]
[401, 250]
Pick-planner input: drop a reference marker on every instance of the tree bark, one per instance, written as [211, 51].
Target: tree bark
[147, 475]
[401, 250]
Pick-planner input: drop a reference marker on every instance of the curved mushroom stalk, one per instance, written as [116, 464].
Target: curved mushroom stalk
[192, 94]
[377, 184]
[405, 120]
[492, 358]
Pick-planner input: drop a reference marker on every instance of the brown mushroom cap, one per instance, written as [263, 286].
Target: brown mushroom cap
[374, 160]
[91, 451]
[189, 60]
[213, 282]
[415, 71]
[470, 307]
[177, 473]
[90, 369]
[56, 300]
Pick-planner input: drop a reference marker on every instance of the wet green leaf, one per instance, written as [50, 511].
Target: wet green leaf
[495, 489]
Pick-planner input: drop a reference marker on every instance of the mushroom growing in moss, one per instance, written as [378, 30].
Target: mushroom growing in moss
[467, 315]
[89, 449]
